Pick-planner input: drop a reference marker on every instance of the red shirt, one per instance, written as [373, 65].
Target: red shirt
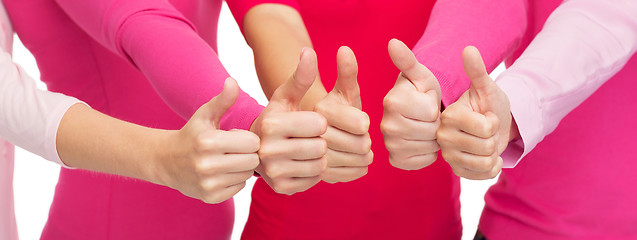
[387, 203]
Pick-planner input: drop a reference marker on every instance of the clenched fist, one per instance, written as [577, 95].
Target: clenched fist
[475, 130]
[411, 114]
[292, 151]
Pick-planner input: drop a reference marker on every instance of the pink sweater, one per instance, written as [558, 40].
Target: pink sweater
[140, 61]
[572, 95]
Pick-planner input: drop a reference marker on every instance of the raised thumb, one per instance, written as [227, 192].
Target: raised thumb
[219, 105]
[347, 82]
[405, 60]
[481, 84]
[292, 91]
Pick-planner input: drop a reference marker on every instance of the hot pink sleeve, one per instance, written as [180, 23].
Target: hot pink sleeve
[581, 46]
[165, 46]
[495, 27]
[239, 8]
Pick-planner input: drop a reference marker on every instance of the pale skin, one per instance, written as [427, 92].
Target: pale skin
[411, 113]
[477, 128]
[471, 133]
[276, 33]
[292, 151]
[200, 160]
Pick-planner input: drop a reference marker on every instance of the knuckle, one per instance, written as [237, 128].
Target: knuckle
[442, 137]
[268, 151]
[447, 116]
[320, 123]
[364, 145]
[481, 164]
[490, 146]
[253, 142]
[269, 125]
[320, 147]
[204, 142]
[200, 166]
[253, 161]
[487, 129]
[284, 188]
[321, 107]
[362, 172]
[274, 171]
[368, 159]
[388, 128]
[391, 101]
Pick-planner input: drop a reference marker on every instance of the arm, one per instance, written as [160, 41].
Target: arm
[186, 71]
[496, 27]
[276, 46]
[157, 39]
[547, 82]
[541, 87]
[453, 24]
[60, 129]
[276, 32]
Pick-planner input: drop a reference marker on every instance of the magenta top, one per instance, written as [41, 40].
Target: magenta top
[148, 62]
[572, 95]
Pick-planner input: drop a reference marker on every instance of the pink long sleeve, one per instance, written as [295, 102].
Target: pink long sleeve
[496, 27]
[164, 45]
[582, 45]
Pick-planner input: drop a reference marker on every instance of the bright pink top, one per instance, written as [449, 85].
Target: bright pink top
[388, 203]
[572, 95]
[137, 61]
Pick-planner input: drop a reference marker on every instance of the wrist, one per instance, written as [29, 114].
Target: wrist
[163, 151]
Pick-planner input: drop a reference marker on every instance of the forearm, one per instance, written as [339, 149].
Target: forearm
[90, 140]
[277, 34]
[455, 24]
[163, 44]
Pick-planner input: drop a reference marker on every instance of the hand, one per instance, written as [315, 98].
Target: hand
[475, 129]
[207, 163]
[348, 142]
[411, 114]
[292, 151]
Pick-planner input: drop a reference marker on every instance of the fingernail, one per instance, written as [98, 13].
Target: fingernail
[302, 51]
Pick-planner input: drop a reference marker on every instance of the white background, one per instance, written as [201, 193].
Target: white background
[35, 178]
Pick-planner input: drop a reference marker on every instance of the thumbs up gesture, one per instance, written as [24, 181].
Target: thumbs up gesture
[348, 141]
[207, 163]
[474, 130]
[411, 112]
[292, 151]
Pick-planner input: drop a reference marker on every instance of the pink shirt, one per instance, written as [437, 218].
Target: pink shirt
[29, 118]
[148, 62]
[572, 95]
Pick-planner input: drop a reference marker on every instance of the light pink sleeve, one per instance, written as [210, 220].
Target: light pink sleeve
[165, 46]
[29, 117]
[582, 45]
[495, 27]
